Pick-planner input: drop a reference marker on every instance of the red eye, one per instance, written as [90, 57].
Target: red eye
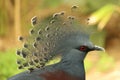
[83, 48]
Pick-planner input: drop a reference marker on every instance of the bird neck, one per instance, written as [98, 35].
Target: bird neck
[73, 63]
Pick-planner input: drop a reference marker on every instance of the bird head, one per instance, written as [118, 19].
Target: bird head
[62, 34]
[78, 43]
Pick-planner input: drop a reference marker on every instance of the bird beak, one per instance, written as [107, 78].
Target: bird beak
[98, 48]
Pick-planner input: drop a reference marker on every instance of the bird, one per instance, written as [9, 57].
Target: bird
[62, 35]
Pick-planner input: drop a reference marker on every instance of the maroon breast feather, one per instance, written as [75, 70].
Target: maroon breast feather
[58, 75]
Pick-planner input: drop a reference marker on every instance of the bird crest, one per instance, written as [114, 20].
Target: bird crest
[47, 39]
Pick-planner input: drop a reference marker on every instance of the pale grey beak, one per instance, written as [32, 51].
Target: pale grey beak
[98, 48]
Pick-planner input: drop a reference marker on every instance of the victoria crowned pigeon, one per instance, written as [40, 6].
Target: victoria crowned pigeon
[63, 35]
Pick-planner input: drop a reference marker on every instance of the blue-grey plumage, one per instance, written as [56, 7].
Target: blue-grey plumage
[63, 36]
[72, 61]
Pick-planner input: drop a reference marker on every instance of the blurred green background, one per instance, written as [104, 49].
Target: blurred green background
[104, 17]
